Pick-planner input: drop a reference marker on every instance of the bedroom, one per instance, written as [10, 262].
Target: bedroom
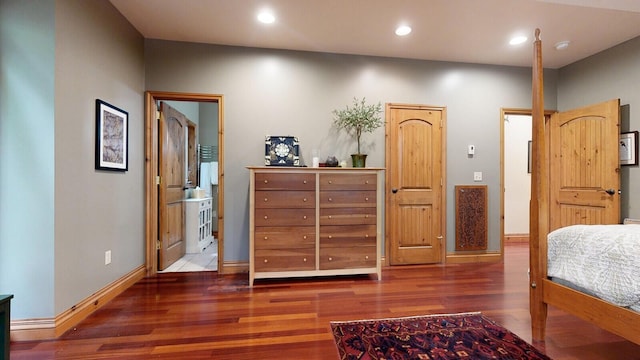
[314, 84]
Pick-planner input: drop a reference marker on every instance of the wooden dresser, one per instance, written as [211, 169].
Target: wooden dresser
[314, 222]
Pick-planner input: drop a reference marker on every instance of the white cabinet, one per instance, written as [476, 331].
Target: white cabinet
[199, 231]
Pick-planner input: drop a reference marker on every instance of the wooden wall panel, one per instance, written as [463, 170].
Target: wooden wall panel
[471, 217]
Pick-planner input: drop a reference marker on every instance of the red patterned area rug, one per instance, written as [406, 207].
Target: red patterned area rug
[450, 336]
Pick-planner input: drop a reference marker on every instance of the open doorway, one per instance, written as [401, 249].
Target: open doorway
[153, 179]
[515, 174]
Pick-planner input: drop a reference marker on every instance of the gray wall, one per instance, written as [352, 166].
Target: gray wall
[58, 215]
[208, 131]
[612, 74]
[271, 92]
[99, 55]
[27, 59]
[189, 109]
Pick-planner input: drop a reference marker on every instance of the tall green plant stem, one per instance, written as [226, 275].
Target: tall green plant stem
[359, 118]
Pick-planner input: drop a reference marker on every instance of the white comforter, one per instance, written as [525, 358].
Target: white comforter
[603, 259]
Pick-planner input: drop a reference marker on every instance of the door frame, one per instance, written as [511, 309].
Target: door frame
[504, 112]
[151, 171]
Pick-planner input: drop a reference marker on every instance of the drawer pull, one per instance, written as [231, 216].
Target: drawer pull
[304, 260]
[266, 238]
[330, 259]
[304, 237]
[330, 182]
[305, 217]
[366, 257]
[304, 200]
[330, 199]
[366, 199]
[266, 181]
[366, 235]
[266, 217]
[266, 199]
[304, 182]
[330, 236]
[266, 261]
[330, 217]
[366, 216]
[366, 182]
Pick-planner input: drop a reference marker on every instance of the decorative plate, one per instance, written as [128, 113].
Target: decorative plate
[282, 151]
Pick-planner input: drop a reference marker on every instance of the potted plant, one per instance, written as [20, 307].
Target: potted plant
[356, 120]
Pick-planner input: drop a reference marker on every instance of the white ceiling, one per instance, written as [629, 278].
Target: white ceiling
[473, 31]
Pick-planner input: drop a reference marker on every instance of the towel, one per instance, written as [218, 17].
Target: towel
[214, 172]
[205, 177]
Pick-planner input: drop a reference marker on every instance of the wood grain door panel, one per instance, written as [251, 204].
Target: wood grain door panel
[585, 163]
[415, 183]
[171, 165]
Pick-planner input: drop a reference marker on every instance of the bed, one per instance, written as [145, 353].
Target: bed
[622, 319]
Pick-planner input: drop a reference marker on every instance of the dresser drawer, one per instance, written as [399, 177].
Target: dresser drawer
[348, 182]
[285, 217]
[348, 258]
[347, 198]
[288, 199]
[204, 204]
[348, 216]
[348, 233]
[285, 259]
[336, 240]
[284, 237]
[285, 181]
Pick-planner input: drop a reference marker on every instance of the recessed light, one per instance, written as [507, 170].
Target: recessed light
[517, 40]
[562, 45]
[403, 30]
[266, 17]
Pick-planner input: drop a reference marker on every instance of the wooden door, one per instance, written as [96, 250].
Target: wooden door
[584, 161]
[415, 210]
[171, 160]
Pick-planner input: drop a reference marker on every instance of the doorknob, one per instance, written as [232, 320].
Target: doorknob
[610, 191]
[394, 190]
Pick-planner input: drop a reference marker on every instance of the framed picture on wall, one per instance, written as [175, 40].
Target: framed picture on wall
[628, 146]
[112, 137]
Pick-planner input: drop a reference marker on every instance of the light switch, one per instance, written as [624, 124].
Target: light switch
[477, 176]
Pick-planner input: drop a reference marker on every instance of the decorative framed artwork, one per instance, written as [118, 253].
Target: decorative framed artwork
[112, 137]
[628, 146]
[281, 151]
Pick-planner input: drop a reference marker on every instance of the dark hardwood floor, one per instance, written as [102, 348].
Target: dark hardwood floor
[206, 316]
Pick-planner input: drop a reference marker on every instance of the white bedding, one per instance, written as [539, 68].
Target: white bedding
[603, 259]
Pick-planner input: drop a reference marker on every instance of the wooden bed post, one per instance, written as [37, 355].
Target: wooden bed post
[539, 205]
